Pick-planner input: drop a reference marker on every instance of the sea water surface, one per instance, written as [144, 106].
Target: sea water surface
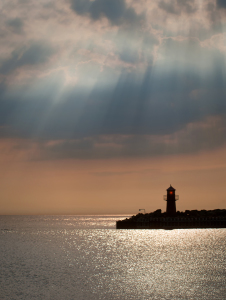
[85, 257]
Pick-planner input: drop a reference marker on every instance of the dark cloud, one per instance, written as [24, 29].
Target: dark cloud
[216, 18]
[208, 134]
[16, 25]
[116, 11]
[178, 6]
[129, 116]
[157, 104]
[36, 53]
[221, 3]
[174, 105]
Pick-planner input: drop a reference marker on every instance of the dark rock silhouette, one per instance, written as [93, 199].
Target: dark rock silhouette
[172, 219]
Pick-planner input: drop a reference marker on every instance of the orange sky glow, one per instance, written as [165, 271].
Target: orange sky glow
[116, 186]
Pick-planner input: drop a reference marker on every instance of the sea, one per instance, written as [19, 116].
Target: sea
[86, 258]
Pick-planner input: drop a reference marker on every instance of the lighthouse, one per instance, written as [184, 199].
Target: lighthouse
[171, 199]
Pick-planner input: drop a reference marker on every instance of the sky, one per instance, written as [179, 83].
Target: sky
[105, 103]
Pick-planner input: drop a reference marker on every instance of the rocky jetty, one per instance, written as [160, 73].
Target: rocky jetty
[189, 219]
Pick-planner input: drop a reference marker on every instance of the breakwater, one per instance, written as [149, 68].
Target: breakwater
[180, 220]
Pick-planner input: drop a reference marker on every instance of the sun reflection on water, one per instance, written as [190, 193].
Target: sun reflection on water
[65, 261]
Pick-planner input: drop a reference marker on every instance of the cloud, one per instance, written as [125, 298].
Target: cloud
[205, 135]
[221, 3]
[135, 46]
[116, 11]
[178, 6]
[159, 101]
[190, 54]
[197, 136]
[34, 54]
[111, 83]
[16, 25]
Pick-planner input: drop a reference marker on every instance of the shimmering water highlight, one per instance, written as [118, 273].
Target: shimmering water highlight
[67, 257]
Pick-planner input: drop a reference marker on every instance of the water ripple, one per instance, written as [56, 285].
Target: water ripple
[54, 259]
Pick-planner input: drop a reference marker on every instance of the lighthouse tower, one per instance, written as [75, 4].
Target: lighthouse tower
[171, 199]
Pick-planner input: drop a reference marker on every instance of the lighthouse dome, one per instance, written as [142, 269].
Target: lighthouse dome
[171, 188]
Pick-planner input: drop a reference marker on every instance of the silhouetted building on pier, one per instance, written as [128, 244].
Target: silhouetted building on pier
[172, 219]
